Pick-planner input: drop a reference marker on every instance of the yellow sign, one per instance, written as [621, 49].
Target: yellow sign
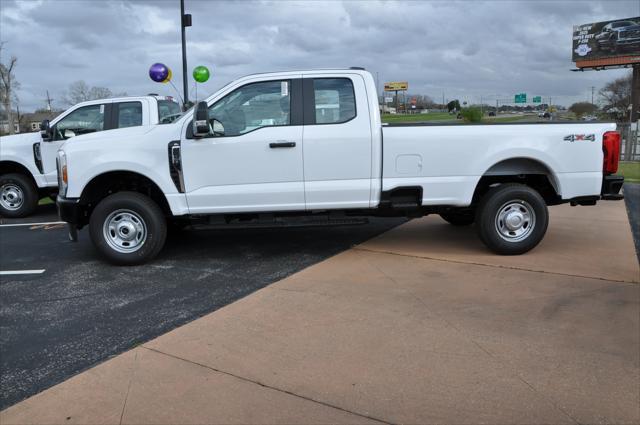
[396, 86]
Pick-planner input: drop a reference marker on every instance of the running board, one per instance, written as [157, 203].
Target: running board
[282, 223]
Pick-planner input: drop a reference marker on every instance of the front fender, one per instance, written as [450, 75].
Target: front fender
[25, 159]
[78, 182]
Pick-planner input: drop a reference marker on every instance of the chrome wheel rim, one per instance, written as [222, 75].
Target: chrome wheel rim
[125, 231]
[11, 196]
[515, 220]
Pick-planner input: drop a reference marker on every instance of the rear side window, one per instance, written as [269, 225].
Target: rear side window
[168, 111]
[335, 100]
[129, 114]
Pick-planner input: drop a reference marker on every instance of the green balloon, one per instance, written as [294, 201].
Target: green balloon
[201, 73]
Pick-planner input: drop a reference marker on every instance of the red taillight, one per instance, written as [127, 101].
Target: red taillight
[611, 150]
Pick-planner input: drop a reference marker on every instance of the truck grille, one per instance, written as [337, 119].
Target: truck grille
[630, 34]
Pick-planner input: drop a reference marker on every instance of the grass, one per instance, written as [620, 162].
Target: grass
[45, 201]
[435, 116]
[630, 171]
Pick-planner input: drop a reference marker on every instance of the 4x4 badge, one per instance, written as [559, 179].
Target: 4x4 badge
[579, 137]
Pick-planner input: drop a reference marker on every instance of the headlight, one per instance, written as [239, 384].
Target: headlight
[63, 180]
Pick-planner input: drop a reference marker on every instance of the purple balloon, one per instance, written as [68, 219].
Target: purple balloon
[158, 72]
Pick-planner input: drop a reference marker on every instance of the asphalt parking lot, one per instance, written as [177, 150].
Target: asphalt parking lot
[80, 311]
[632, 199]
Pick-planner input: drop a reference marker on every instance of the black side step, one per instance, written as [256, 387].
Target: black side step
[283, 222]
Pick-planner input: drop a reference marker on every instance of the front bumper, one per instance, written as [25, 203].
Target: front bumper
[69, 210]
[611, 186]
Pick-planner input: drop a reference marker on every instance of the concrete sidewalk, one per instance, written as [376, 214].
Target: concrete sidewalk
[419, 325]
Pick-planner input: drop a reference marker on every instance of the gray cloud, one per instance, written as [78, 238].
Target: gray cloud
[466, 49]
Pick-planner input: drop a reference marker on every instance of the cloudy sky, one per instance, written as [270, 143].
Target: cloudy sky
[464, 49]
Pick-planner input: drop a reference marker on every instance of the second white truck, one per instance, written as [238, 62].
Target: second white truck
[308, 147]
[28, 161]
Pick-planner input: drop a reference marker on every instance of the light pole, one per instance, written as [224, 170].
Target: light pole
[635, 93]
[185, 21]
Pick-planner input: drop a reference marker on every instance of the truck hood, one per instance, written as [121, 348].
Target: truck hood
[629, 28]
[16, 140]
[108, 139]
[115, 133]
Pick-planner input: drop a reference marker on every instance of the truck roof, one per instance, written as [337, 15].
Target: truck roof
[353, 69]
[125, 99]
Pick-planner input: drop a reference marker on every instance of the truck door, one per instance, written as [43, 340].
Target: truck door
[83, 120]
[337, 142]
[252, 159]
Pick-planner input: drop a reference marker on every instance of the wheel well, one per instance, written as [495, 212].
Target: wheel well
[118, 181]
[10, 167]
[525, 171]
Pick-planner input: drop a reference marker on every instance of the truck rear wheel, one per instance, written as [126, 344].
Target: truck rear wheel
[512, 219]
[128, 228]
[18, 195]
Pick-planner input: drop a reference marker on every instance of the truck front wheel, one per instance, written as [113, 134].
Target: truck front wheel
[512, 219]
[18, 195]
[128, 228]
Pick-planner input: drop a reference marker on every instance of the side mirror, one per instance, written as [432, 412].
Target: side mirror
[201, 120]
[45, 130]
[69, 134]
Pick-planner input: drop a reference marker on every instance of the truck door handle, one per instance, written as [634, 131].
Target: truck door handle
[274, 145]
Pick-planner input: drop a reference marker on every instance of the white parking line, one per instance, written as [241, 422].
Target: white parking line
[13, 272]
[46, 223]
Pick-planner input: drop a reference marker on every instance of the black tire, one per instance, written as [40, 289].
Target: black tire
[459, 218]
[520, 201]
[140, 212]
[18, 195]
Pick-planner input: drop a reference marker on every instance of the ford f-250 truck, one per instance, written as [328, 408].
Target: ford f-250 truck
[28, 161]
[309, 147]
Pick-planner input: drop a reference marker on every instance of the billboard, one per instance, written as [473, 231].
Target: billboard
[607, 43]
[396, 86]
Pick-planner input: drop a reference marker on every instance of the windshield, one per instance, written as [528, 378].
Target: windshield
[168, 111]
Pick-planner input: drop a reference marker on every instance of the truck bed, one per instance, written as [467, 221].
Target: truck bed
[447, 160]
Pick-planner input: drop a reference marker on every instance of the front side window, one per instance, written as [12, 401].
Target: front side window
[251, 107]
[87, 119]
[129, 114]
[335, 100]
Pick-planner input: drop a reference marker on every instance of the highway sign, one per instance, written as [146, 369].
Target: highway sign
[520, 98]
[396, 86]
[537, 99]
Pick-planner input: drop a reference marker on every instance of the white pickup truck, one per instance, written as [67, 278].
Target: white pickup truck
[28, 166]
[308, 147]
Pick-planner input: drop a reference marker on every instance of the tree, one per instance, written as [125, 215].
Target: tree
[8, 85]
[453, 105]
[616, 98]
[583, 108]
[79, 91]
